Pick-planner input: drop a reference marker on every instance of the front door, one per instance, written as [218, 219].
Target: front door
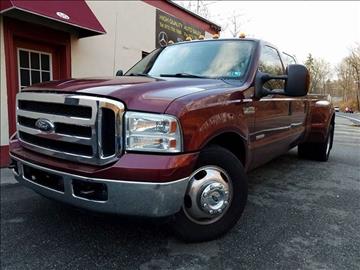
[272, 132]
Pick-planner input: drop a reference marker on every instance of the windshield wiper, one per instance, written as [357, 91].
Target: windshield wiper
[183, 75]
[139, 74]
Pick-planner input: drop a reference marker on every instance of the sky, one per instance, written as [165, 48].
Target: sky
[326, 29]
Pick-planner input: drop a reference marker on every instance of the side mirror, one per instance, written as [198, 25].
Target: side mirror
[297, 81]
[119, 72]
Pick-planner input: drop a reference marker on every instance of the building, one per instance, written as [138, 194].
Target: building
[51, 40]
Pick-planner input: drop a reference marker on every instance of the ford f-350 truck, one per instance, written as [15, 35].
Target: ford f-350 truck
[174, 136]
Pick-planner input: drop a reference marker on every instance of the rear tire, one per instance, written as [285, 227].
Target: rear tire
[215, 198]
[317, 151]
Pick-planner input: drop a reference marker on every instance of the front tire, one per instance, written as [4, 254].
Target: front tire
[215, 198]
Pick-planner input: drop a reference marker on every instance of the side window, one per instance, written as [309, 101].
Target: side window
[144, 54]
[270, 63]
[288, 59]
[143, 65]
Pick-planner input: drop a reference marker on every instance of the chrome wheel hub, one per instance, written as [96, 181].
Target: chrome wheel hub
[214, 198]
[208, 196]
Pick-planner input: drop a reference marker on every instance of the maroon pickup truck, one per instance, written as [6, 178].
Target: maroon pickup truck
[173, 137]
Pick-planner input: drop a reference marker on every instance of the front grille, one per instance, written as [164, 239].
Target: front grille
[56, 108]
[73, 148]
[60, 128]
[83, 128]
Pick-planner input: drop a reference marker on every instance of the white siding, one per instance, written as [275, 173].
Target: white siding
[4, 140]
[130, 27]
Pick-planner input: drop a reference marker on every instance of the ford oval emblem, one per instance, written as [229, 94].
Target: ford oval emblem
[44, 125]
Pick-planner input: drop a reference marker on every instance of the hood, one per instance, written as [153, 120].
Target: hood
[138, 93]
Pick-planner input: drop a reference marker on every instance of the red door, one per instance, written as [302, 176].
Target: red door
[35, 62]
[33, 54]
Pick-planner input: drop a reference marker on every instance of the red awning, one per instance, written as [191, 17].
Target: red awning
[68, 15]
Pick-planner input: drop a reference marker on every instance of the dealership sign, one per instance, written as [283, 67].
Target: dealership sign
[171, 28]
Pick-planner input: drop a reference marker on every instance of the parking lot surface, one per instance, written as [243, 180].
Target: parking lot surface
[301, 215]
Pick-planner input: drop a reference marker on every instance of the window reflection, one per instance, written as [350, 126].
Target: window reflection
[270, 63]
[34, 67]
[214, 59]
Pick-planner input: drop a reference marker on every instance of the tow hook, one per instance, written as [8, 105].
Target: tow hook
[13, 166]
[90, 190]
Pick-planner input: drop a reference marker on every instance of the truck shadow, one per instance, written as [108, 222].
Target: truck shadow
[277, 190]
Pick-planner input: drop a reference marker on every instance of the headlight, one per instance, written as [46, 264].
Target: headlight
[152, 132]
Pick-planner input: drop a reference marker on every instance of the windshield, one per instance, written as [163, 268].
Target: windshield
[227, 59]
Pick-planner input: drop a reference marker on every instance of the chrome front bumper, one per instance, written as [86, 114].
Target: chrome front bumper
[146, 199]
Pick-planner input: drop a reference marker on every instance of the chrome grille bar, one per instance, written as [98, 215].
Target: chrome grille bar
[57, 136]
[86, 149]
[57, 118]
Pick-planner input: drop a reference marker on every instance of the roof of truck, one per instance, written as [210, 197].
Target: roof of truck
[230, 39]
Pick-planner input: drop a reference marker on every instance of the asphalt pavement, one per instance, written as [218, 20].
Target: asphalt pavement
[353, 117]
[301, 215]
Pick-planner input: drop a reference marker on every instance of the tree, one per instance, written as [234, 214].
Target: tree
[309, 63]
[348, 78]
[345, 79]
[320, 72]
[236, 23]
[199, 7]
[354, 62]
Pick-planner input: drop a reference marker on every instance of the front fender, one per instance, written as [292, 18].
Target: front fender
[202, 121]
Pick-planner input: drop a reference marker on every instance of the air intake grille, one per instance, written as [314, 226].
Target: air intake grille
[80, 128]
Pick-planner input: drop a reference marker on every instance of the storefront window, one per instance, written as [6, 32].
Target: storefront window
[34, 67]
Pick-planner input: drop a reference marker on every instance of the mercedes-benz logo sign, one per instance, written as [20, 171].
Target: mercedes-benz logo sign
[163, 39]
[44, 125]
[62, 15]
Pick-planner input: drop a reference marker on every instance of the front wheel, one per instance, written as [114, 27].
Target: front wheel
[215, 197]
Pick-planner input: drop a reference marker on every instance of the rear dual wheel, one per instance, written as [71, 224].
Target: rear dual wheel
[317, 151]
[215, 197]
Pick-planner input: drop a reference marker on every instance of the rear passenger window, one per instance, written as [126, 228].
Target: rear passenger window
[270, 63]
